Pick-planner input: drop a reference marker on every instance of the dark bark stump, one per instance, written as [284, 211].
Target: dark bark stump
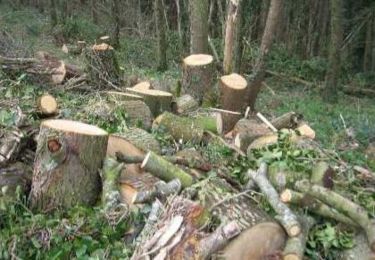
[66, 171]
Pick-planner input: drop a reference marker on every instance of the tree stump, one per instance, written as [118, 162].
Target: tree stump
[101, 65]
[66, 170]
[47, 105]
[233, 89]
[198, 76]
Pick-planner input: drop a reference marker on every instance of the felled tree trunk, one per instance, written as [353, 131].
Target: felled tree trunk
[322, 174]
[289, 120]
[138, 113]
[184, 128]
[101, 66]
[246, 131]
[158, 101]
[68, 158]
[142, 140]
[286, 217]
[198, 76]
[186, 104]
[344, 205]
[47, 105]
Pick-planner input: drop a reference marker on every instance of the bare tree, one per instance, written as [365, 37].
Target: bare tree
[257, 76]
[198, 11]
[162, 41]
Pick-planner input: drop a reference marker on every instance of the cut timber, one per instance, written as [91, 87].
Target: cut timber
[282, 177]
[121, 96]
[358, 214]
[186, 104]
[158, 101]
[288, 120]
[47, 105]
[295, 246]
[138, 113]
[68, 158]
[286, 217]
[141, 139]
[161, 191]
[266, 239]
[360, 250]
[233, 89]
[246, 131]
[305, 130]
[322, 174]
[180, 128]
[198, 76]
[101, 66]
[226, 120]
[165, 170]
[313, 205]
[145, 85]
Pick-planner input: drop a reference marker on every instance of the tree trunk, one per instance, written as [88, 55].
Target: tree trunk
[53, 12]
[257, 76]
[198, 76]
[330, 90]
[116, 20]
[161, 33]
[66, 169]
[198, 10]
[232, 25]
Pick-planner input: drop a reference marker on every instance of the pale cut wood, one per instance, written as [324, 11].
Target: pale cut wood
[145, 85]
[121, 96]
[47, 105]
[233, 89]
[66, 170]
[226, 120]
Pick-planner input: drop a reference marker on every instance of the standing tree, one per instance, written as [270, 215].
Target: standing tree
[198, 11]
[116, 20]
[257, 76]
[230, 35]
[330, 90]
[53, 12]
[162, 41]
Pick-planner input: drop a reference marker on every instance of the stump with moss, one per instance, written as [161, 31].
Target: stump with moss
[66, 170]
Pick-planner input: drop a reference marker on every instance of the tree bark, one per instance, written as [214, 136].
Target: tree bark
[329, 93]
[161, 35]
[198, 12]
[68, 158]
[198, 76]
[257, 76]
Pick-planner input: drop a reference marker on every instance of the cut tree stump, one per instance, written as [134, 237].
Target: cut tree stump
[186, 104]
[138, 113]
[233, 89]
[198, 76]
[101, 66]
[158, 101]
[47, 105]
[66, 170]
[144, 85]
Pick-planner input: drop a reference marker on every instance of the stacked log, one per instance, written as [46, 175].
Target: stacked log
[47, 105]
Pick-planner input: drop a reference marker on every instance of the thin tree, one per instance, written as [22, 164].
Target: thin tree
[198, 12]
[257, 76]
[330, 90]
[161, 35]
[232, 25]
[116, 20]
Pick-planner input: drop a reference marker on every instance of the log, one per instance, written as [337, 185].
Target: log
[141, 139]
[144, 85]
[233, 89]
[315, 206]
[226, 120]
[359, 92]
[259, 242]
[218, 239]
[322, 174]
[47, 105]
[184, 128]
[288, 120]
[282, 177]
[295, 246]
[69, 155]
[137, 113]
[246, 131]
[116, 96]
[198, 76]
[101, 66]
[161, 191]
[286, 217]
[186, 104]
[360, 250]
[158, 101]
[165, 170]
[10, 144]
[110, 174]
[342, 204]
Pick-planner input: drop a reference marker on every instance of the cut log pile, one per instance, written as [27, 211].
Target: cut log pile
[198, 210]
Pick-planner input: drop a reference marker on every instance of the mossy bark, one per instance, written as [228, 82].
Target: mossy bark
[198, 12]
[66, 169]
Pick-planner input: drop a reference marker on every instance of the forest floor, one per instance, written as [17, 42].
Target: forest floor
[137, 57]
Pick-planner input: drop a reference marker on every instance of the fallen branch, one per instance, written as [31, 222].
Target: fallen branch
[161, 190]
[286, 217]
[358, 214]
